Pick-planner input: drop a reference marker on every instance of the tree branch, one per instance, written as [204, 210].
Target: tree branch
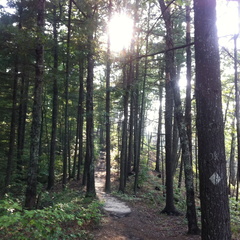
[79, 8]
[230, 55]
[165, 51]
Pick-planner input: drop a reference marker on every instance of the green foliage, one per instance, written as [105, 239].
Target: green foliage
[235, 215]
[143, 174]
[180, 199]
[155, 198]
[52, 222]
[125, 196]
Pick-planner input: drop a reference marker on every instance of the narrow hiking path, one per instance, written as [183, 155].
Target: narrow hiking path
[135, 219]
[114, 206]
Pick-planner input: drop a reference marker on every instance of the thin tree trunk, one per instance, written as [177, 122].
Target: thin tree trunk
[188, 115]
[12, 128]
[180, 174]
[80, 118]
[22, 106]
[22, 120]
[237, 98]
[170, 76]
[136, 89]
[131, 132]
[232, 165]
[31, 191]
[186, 156]
[196, 163]
[66, 127]
[157, 166]
[51, 177]
[124, 134]
[89, 159]
[141, 118]
[175, 146]
[162, 155]
[136, 113]
[74, 167]
[108, 140]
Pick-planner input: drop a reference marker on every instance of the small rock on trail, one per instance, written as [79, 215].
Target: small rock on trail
[112, 205]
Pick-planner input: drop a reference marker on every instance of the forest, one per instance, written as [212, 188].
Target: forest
[147, 88]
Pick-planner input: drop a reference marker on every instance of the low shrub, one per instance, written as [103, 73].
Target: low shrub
[53, 222]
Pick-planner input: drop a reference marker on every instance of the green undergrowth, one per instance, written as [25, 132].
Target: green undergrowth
[126, 196]
[235, 216]
[64, 215]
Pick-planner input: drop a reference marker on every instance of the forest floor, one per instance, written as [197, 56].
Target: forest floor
[145, 222]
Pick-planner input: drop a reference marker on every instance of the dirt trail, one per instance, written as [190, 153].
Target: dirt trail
[140, 223]
[112, 205]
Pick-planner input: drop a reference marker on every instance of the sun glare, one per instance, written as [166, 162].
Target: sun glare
[120, 30]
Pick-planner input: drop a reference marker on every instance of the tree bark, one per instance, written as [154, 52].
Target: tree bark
[124, 133]
[186, 157]
[24, 86]
[232, 165]
[157, 166]
[22, 120]
[141, 114]
[237, 98]
[170, 77]
[51, 176]
[66, 156]
[175, 145]
[131, 132]
[90, 158]
[188, 115]
[12, 128]
[108, 140]
[211, 149]
[31, 191]
[80, 118]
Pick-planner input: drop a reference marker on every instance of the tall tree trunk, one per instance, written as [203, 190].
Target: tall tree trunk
[22, 120]
[12, 128]
[237, 99]
[31, 191]
[170, 76]
[51, 176]
[22, 106]
[186, 156]
[135, 49]
[180, 174]
[74, 166]
[188, 115]
[136, 116]
[78, 150]
[232, 165]
[108, 140]
[80, 117]
[124, 133]
[185, 131]
[89, 159]
[142, 111]
[211, 149]
[159, 132]
[175, 145]
[66, 127]
[131, 132]
[196, 163]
